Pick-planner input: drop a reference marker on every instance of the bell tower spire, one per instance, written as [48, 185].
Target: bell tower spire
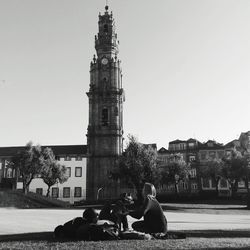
[106, 97]
[107, 5]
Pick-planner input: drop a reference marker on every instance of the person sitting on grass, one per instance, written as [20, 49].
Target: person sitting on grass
[154, 218]
[118, 212]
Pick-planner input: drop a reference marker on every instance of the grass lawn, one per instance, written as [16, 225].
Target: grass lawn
[197, 220]
[189, 243]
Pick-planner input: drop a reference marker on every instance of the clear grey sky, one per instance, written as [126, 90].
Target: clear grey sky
[186, 68]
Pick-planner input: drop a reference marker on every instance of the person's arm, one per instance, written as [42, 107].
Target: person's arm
[138, 213]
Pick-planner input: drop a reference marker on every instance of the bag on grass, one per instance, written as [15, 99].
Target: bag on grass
[96, 232]
[135, 235]
[103, 232]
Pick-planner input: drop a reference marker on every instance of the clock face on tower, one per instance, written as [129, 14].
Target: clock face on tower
[104, 61]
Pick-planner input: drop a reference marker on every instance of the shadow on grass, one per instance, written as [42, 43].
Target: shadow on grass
[49, 236]
[40, 236]
[205, 208]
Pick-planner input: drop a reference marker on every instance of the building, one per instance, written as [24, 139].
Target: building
[230, 146]
[106, 97]
[162, 156]
[189, 148]
[244, 140]
[210, 150]
[74, 157]
[196, 155]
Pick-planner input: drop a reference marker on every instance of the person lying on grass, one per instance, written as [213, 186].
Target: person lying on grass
[154, 218]
[87, 227]
[69, 229]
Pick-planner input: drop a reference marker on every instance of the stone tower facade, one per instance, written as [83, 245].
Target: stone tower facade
[106, 97]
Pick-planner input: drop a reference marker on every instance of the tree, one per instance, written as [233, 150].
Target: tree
[212, 170]
[52, 172]
[174, 171]
[232, 170]
[137, 165]
[237, 167]
[28, 163]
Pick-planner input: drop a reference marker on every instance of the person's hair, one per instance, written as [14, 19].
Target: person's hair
[90, 215]
[149, 189]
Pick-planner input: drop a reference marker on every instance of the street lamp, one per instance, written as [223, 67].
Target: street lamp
[98, 191]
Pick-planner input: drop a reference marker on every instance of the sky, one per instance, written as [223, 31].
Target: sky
[185, 69]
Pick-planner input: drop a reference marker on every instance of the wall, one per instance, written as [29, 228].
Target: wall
[72, 182]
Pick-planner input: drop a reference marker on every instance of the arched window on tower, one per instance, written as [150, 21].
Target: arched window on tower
[116, 111]
[105, 116]
[106, 29]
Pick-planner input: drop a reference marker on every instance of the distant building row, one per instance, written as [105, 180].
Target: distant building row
[74, 157]
[193, 150]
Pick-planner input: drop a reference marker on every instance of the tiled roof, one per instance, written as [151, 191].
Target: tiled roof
[245, 133]
[193, 140]
[216, 145]
[232, 144]
[176, 141]
[163, 150]
[57, 149]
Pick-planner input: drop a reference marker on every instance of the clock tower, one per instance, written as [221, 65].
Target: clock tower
[106, 97]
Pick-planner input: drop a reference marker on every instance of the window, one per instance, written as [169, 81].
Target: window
[9, 173]
[6, 163]
[67, 158]
[68, 172]
[116, 111]
[66, 192]
[0, 165]
[212, 154]
[203, 155]
[57, 158]
[78, 192]
[191, 145]
[194, 186]
[78, 158]
[193, 172]
[39, 191]
[241, 184]
[55, 192]
[78, 172]
[105, 28]
[192, 158]
[220, 154]
[184, 185]
[105, 116]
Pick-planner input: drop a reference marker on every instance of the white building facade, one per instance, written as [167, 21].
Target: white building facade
[73, 157]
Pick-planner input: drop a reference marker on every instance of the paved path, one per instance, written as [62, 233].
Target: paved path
[14, 221]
